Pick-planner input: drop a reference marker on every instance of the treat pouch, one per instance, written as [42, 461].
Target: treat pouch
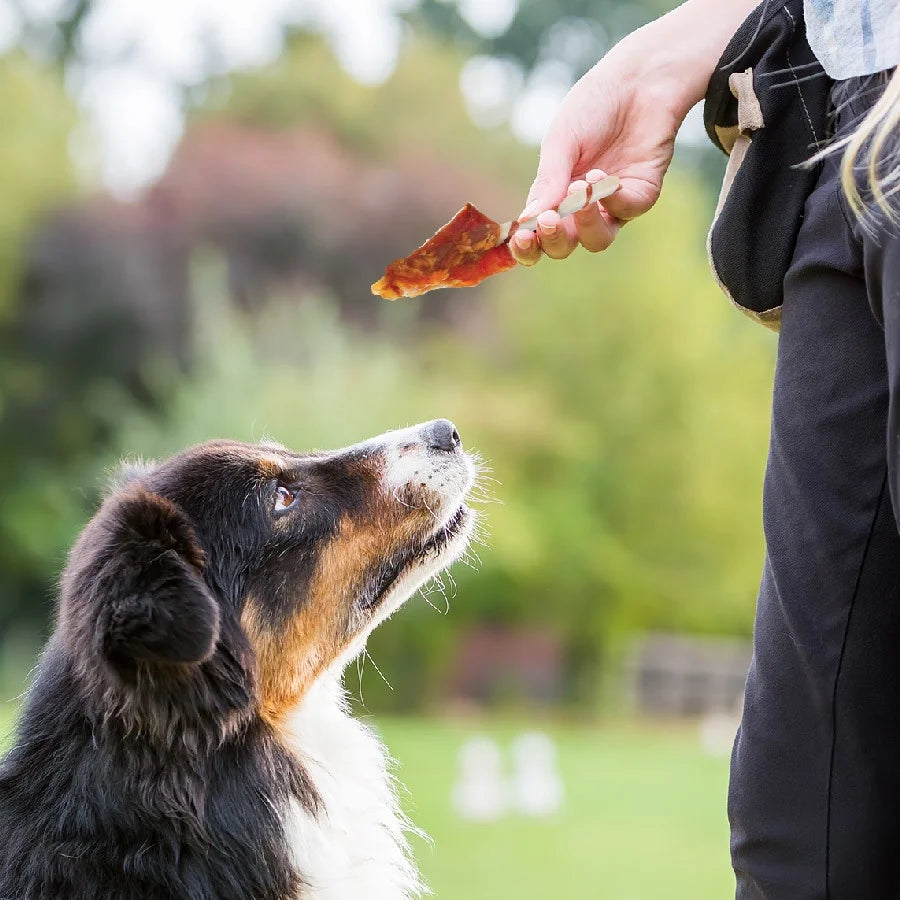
[767, 108]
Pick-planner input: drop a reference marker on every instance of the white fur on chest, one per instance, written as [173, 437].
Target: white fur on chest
[355, 847]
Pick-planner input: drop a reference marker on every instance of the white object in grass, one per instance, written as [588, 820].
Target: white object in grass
[717, 731]
[536, 787]
[479, 794]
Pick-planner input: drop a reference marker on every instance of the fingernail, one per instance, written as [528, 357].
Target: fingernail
[595, 175]
[548, 228]
[524, 239]
[533, 208]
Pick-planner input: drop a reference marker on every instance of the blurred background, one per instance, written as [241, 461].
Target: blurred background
[194, 199]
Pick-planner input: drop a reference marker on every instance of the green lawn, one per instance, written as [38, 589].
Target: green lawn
[644, 817]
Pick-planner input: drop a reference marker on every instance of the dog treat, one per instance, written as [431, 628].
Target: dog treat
[472, 247]
[462, 253]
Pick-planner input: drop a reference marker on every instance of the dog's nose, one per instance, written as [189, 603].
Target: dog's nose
[441, 434]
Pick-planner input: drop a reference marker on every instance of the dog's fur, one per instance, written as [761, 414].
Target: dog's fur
[186, 734]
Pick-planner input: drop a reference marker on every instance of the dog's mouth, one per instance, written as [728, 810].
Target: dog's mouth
[428, 552]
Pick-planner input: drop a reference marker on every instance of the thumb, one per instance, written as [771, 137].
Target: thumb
[554, 173]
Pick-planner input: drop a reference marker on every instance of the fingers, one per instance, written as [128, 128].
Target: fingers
[554, 172]
[632, 199]
[525, 248]
[595, 228]
[557, 236]
[592, 227]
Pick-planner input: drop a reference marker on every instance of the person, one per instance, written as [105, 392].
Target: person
[814, 792]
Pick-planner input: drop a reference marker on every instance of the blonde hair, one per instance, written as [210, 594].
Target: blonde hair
[867, 148]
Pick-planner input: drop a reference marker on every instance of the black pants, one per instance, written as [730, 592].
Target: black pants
[814, 800]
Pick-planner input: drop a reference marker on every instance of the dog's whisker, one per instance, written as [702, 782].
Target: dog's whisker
[424, 596]
[369, 655]
[360, 668]
[434, 515]
[437, 587]
[441, 587]
[396, 495]
[453, 585]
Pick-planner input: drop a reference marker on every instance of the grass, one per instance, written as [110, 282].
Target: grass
[644, 817]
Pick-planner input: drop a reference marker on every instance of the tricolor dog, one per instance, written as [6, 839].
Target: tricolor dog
[186, 734]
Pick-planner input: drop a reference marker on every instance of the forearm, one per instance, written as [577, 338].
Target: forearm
[680, 50]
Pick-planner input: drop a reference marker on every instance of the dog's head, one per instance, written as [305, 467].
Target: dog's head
[279, 562]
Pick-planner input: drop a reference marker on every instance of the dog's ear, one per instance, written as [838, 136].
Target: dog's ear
[127, 472]
[155, 605]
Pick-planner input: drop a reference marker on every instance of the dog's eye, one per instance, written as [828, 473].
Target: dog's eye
[284, 498]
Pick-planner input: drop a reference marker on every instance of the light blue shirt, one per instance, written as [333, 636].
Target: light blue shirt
[854, 37]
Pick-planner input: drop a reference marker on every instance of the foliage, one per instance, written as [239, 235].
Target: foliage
[35, 173]
[419, 107]
[573, 33]
[34, 165]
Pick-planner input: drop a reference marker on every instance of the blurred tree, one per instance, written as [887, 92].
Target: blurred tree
[574, 33]
[418, 107]
[521, 64]
[35, 173]
[62, 37]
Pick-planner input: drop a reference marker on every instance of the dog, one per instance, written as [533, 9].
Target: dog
[187, 734]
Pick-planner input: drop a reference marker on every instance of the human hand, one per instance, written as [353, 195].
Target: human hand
[621, 119]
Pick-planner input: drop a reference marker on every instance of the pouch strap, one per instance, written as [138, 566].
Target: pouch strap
[736, 142]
